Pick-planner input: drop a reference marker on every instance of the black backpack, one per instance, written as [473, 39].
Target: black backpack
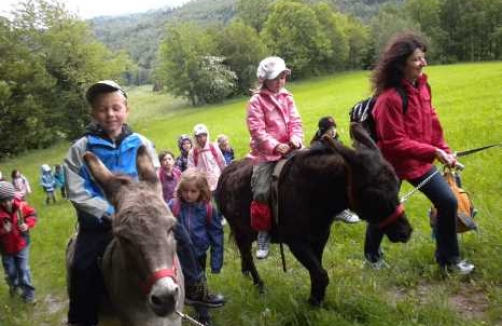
[361, 112]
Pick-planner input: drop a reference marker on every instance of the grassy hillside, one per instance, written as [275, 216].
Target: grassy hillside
[411, 292]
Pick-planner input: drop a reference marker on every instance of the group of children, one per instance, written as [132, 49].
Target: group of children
[50, 182]
[188, 184]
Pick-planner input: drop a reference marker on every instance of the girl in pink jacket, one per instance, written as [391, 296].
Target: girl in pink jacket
[205, 156]
[275, 127]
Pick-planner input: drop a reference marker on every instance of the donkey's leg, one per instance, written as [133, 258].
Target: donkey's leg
[319, 244]
[244, 242]
[306, 255]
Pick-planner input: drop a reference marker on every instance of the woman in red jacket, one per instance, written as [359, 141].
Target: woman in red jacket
[16, 218]
[411, 140]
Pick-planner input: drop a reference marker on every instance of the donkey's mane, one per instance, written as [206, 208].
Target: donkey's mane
[319, 157]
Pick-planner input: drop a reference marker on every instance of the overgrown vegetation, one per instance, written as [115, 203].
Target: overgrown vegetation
[411, 293]
[48, 59]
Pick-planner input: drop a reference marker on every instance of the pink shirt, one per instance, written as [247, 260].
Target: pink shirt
[272, 119]
[207, 162]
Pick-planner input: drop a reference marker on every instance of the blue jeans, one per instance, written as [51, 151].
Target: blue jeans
[18, 274]
[439, 193]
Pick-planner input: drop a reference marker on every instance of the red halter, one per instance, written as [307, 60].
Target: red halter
[393, 217]
[161, 273]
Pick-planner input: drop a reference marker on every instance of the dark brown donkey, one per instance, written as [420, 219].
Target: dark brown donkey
[141, 271]
[315, 186]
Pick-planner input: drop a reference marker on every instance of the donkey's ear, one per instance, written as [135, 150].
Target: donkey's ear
[361, 137]
[348, 154]
[146, 170]
[105, 179]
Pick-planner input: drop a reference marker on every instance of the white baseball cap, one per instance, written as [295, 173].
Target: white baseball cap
[270, 68]
[200, 129]
[103, 86]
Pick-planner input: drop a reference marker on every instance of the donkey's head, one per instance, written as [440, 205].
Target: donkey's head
[373, 186]
[143, 229]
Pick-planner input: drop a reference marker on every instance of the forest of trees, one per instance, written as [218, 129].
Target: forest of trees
[208, 50]
[48, 57]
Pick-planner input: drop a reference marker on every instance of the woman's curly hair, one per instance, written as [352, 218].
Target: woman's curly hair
[389, 70]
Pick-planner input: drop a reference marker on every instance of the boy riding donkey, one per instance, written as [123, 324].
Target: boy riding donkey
[113, 142]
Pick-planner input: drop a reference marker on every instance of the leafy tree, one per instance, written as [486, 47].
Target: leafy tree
[71, 55]
[358, 37]
[427, 14]
[243, 49]
[494, 29]
[216, 81]
[293, 32]
[471, 28]
[336, 56]
[389, 21]
[187, 67]
[24, 89]
[54, 58]
[254, 12]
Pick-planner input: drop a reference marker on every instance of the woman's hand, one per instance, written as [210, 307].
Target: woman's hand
[447, 159]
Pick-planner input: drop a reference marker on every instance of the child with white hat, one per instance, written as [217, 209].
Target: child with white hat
[276, 129]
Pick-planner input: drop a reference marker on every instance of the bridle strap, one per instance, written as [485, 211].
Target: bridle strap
[393, 217]
[161, 273]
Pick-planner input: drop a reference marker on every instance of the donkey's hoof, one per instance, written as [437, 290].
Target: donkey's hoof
[261, 288]
[247, 274]
[314, 302]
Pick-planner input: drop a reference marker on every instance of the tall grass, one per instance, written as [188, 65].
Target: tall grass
[412, 292]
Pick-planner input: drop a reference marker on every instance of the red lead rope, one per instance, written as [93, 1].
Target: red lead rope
[166, 272]
[394, 216]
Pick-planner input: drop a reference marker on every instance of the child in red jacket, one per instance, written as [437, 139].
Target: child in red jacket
[16, 218]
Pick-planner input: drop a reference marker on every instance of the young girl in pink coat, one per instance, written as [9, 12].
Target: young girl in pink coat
[275, 127]
[205, 156]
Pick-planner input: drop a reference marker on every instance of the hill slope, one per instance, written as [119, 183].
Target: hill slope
[139, 34]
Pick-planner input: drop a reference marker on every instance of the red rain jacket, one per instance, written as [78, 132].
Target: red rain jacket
[15, 240]
[409, 140]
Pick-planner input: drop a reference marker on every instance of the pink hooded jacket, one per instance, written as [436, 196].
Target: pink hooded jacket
[207, 162]
[272, 119]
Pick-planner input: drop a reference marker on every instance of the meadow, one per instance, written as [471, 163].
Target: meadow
[413, 291]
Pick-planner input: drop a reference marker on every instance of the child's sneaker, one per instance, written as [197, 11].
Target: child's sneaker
[30, 301]
[461, 267]
[347, 216]
[376, 265]
[263, 242]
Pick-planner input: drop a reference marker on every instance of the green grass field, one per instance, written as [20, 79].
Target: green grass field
[412, 292]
